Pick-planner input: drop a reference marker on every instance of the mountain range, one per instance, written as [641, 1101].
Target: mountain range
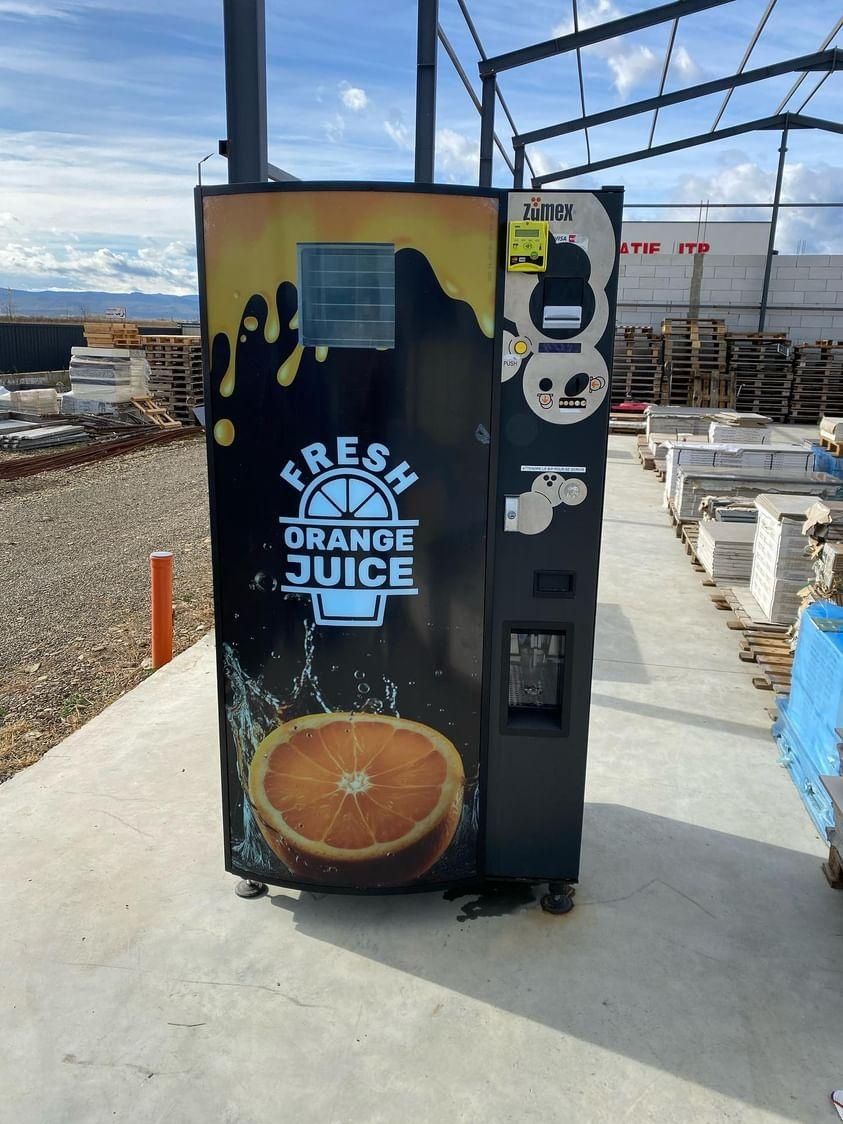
[88, 305]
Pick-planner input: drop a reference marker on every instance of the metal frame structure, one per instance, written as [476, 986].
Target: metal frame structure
[246, 113]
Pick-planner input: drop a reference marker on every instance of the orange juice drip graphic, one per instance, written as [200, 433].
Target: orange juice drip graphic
[251, 246]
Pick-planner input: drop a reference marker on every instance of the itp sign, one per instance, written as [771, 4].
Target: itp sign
[347, 546]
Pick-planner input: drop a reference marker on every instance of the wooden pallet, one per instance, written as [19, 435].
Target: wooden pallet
[817, 381]
[834, 447]
[772, 654]
[175, 381]
[695, 363]
[637, 371]
[155, 413]
[761, 369]
[112, 333]
[833, 868]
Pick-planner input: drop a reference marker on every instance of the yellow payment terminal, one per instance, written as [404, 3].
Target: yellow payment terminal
[527, 247]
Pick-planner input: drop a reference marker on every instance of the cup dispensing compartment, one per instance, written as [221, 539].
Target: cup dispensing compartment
[535, 679]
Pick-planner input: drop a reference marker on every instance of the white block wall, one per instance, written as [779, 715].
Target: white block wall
[806, 292]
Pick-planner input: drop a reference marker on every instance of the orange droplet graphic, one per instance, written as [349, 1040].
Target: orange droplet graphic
[250, 323]
[224, 432]
[294, 321]
[321, 354]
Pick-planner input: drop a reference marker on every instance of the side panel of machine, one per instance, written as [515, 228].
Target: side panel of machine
[556, 358]
[351, 354]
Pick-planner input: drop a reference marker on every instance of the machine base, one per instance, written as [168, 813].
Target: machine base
[559, 899]
[248, 888]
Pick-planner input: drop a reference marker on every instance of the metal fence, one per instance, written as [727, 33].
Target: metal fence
[37, 347]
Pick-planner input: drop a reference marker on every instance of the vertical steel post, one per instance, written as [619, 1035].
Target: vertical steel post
[426, 46]
[245, 89]
[487, 130]
[518, 175]
[774, 218]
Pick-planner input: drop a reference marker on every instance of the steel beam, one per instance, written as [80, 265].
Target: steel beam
[598, 34]
[819, 60]
[244, 23]
[518, 173]
[776, 122]
[481, 50]
[452, 55]
[426, 44]
[665, 68]
[771, 245]
[828, 39]
[750, 48]
[487, 130]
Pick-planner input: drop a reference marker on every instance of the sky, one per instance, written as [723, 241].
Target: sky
[106, 106]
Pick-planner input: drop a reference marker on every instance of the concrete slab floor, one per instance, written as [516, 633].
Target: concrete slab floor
[698, 978]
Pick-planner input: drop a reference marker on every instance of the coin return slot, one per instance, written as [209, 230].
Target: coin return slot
[536, 676]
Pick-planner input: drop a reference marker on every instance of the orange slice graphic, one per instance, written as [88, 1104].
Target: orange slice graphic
[357, 799]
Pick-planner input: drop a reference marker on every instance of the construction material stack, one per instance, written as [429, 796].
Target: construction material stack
[817, 381]
[761, 372]
[695, 364]
[780, 564]
[747, 429]
[724, 549]
[175, 373]
[105, 380]
[637, 365]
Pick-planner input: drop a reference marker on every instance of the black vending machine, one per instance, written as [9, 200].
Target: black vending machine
[407, 404]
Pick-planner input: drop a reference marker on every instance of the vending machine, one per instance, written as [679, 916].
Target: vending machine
[407, 405]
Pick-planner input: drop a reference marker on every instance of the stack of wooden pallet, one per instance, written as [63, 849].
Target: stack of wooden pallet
[112, 333]
[637, 365]
[817, 381]
[176, 373]
[695, 363]
[761, 372]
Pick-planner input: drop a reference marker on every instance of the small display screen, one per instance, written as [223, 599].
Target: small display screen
[526, 232]
[564, 348]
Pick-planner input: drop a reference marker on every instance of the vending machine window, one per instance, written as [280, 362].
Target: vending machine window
[346, 294]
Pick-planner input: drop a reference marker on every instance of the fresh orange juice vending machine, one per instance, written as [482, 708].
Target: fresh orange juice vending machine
[407, 405]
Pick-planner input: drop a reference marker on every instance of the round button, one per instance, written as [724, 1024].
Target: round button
[573, 492]
[520, 347]
[545, 384]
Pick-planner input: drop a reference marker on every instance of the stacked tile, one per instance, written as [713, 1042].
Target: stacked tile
[670, 421]
[725, 550]
[781, 566]
[693, 454]
[693, 485]
[41, 401]
[761, 371]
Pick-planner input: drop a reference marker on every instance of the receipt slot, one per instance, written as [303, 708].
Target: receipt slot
[407, 396]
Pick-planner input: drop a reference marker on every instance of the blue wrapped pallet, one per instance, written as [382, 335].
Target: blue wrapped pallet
[824, 461]
[807, 729]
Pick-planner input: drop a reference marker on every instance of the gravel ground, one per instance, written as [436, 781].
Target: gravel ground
[74, 609]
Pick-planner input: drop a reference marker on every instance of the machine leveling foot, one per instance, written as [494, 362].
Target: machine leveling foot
[248, 888]
[559, 898]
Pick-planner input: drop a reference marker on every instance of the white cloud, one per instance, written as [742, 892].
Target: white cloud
[590, 14]
[748, 182]
[457, 153]
[155, 268]
[399, 132]
[335, 128]
[353, 97]
[632, 67]
[682, 63]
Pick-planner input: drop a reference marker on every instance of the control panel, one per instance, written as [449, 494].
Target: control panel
[527, 252]
[556, 314]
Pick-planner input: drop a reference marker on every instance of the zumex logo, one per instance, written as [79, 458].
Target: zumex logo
[557, 212]
[347, 546]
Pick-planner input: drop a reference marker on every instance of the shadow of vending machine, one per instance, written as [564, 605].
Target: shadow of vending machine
[407, 406]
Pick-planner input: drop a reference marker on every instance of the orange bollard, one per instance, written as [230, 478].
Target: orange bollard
[161, 575]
